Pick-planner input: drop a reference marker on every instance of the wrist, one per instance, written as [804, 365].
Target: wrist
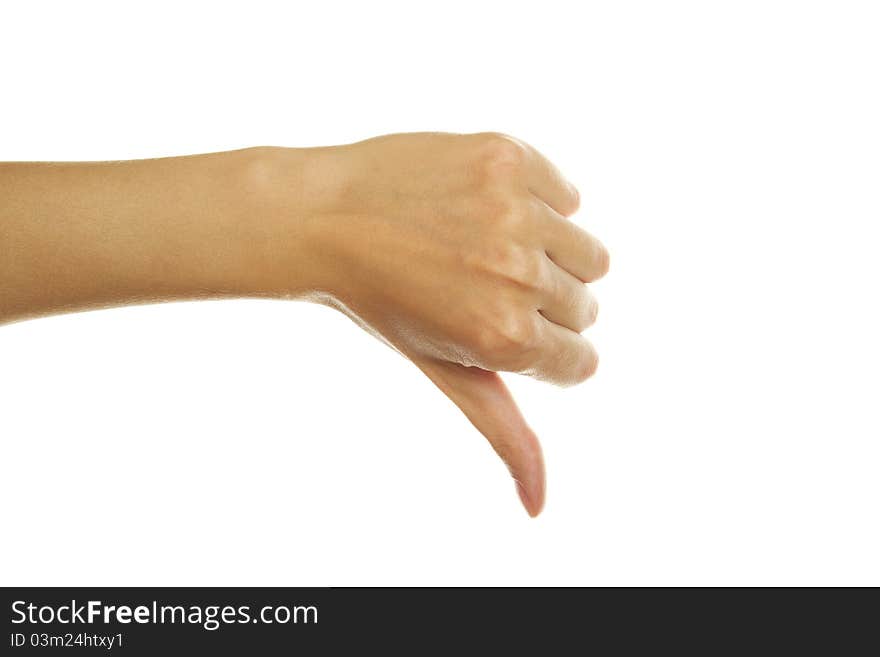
[289, 198]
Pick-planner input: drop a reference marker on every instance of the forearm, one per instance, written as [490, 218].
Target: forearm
[75, 236]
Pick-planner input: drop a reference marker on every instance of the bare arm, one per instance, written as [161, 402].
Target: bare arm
[75, 236]
[453, 249]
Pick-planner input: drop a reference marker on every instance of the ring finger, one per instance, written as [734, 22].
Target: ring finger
[567, 301]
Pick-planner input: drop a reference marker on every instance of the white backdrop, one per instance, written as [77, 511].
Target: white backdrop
[727, 154]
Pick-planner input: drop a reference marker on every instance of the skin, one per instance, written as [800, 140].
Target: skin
[455, 250]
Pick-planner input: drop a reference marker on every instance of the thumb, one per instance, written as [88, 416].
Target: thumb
[488, 404]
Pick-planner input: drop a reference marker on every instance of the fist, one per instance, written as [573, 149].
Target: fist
[457, 251]
[458, 247]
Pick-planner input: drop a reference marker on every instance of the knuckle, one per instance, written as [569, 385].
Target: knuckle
[525, 270]
[498, 210]
[488, 257]
[518, 332]
[497, 258]
[511, 264]
[570, 369]
[603, 261]
[506, 342]
[506, 214]
[591, 314]
[574, 302]
[500, 151]
[513, 218]
[569, 201]
[588, 309]
[487, 345]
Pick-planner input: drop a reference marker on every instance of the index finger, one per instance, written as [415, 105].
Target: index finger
[547, 183]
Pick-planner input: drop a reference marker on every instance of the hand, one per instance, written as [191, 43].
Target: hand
[453, 249]
[456, 251]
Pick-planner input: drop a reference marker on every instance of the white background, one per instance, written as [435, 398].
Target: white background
[728, 153]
